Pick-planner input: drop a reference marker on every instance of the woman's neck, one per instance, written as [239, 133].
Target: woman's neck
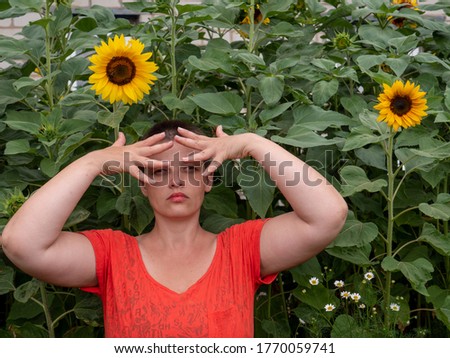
[178, 233]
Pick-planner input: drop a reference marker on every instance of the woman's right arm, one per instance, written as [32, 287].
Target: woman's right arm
[33, 238]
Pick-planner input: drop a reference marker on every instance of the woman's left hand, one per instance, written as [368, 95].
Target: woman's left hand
[216, 149]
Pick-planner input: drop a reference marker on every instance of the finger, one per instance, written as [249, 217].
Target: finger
[190, 142]
[152, 140]
[198, 156]
[212, 167]
[120, 141]
[220, 132]
[187, 133]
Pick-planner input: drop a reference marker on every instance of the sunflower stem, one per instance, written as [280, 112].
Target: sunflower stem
[173, 34]
[390, 227]
[48, 57]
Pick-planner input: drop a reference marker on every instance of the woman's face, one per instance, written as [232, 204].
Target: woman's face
[178, 188]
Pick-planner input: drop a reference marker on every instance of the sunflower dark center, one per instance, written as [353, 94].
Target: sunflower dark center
[401, 105]
[120, 70]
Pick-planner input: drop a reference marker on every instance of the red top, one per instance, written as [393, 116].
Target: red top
[219, 304]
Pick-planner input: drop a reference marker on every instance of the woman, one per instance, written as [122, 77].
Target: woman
[177, 280]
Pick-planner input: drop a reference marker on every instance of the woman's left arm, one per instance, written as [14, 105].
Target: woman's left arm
[319, 211]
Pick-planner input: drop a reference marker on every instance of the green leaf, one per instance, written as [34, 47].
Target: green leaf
[29, 122]
[17, 146]
[77, 216]
[441, 302]
[440, 209]
[412, 161]
[49, 167]
[398, 65]
[112, 119]
[271, 89]
[75, 67]
[439, 241]
[216, 223]
[304, 138]
[223, 103]
[88, 308]
[324, 90]
[123, 204]
[35, 5]
[354, 180]
[221, 200]
[257, 186]
[141, 213]
[25, 84]
[360, 137]
[355, 233]
[355, 255]
[27, 290]
[268, 114]
[278, 328]
[316, 296]
[7, 274]
[345, 326]
[77, 99]
[373, 156]
[318, 119]
[431, 148]
[354, 105]
[417, 272]
[366, 62]
[404, 44]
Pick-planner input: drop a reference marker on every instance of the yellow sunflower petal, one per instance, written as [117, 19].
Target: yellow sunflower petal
[121, 71]
[401, 105]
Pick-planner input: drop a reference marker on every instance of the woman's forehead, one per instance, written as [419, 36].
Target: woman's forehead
[176, 152]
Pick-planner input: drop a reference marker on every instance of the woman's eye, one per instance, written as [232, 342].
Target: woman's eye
[159, 172]
[190, 168]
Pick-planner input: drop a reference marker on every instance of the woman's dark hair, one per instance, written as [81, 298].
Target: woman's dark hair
[170, 128]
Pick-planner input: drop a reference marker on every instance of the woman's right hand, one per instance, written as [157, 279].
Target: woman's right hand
[136, 158]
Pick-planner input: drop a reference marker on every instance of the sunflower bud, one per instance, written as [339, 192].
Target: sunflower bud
[342, 41]
[12, 202]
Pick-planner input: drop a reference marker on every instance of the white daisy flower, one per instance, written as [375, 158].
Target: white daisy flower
[355, 296]
[345, 294]
[369, 275]
[394, 307]
[329, 307]
[314, 281]
[362, 306]
[339, 283]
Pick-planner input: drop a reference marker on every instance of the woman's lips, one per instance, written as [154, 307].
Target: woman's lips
[177, 197]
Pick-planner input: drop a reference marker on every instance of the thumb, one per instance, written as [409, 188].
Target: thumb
[120, 141]
[220, 132]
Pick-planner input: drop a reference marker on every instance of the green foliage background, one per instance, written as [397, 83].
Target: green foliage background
[308, 80]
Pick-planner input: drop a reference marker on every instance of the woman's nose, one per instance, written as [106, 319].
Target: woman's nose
[175, 179]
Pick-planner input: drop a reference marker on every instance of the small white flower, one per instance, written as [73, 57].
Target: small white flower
[339, 283]
[345, 294]
[355, 296]
[314, 281]
[362, 306]
[329, 307]
[303, 291]
[369, 275]
[394, 307]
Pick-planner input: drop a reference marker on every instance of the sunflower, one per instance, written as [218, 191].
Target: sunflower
[405, 3]
[121, 71]
[400, 21]
[257, 17]
[401, 105]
